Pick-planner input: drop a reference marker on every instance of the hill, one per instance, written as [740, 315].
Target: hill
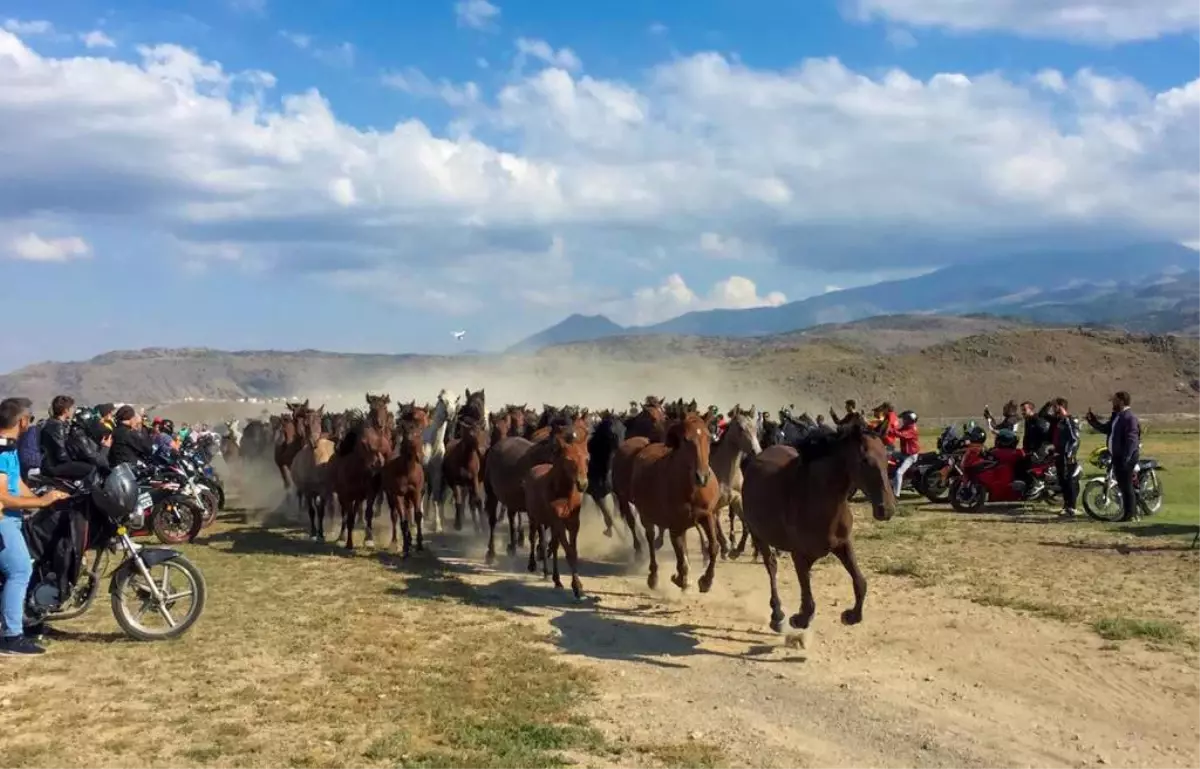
[937, 365]
[1150, 288]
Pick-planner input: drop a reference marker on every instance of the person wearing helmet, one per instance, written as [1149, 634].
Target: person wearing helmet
[908, 443]
[1007, 451]
[164, 436]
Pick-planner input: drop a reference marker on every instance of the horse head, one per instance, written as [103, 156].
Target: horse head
[742, 431]
[571, 458]
[691, 436]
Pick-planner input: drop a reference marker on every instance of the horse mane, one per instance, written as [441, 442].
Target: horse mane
[819, 444]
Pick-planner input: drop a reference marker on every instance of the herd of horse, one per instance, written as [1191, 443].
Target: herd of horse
[658, 460]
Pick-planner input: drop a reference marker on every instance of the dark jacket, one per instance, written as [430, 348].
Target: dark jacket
[1066, 438]
[84, 448]
[53, 443]
[1036, 433]
[1124, 433]
[129, 446]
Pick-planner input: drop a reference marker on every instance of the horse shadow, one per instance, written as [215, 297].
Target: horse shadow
[252, 540]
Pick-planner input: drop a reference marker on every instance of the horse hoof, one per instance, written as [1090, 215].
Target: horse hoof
[652, 581]
[577, 589]
[735, 554]
[512, 548]
[532, 567]
[680, 582]
[851, 617]
[490, 558]
[558, 584]
[705, 584]
[777, 622]
[800, 622]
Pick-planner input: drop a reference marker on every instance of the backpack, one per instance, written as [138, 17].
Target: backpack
[29, 450]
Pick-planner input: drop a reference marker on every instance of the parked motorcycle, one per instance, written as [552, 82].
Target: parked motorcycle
[985, 479]
[1102, 497]
[148, 586]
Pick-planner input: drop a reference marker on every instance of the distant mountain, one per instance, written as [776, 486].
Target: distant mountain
[576, 328]
[1150, 287]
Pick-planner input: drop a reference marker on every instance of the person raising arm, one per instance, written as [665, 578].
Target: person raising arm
[15, 498]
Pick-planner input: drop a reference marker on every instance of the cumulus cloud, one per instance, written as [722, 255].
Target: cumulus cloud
[674, 297]
[37, 27]
[339, 55]
[413, 81]
[1096, 21]
[901, 39]
[97, 39]
[476, 14]
[563, 58]
[32, 247]
[816, 165]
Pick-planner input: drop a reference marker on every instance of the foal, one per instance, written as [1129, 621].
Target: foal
[553, 496]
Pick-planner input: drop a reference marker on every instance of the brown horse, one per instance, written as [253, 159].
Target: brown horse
[462, 471]
[797, 501]
[288, 442]
[404, 484]
[361, 457]
[650, 422]
[553, 498]
[672, 487]
[310, 471]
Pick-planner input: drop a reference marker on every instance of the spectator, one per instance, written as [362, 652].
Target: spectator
[1124, 444]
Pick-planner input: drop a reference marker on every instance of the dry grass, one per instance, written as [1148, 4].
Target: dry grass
[305, 657]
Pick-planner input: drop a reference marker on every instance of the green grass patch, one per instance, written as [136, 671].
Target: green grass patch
[1125, 628]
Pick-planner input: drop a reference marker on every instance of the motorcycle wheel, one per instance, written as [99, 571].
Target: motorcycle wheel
[211, 504]
[1150, 494]
[967, 497]
[1097, 504]
[176, 520]
[132, 600]
[936, 488]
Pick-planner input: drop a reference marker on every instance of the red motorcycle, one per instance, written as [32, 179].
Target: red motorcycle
[988, 478]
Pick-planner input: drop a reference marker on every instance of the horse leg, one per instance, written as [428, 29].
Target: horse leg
[349, 509]
[626, 511]
[555, 541]
[808, 606]
[460, 499]
[652, 580]
[772, 564]
[845, 554]
[369, 513]
[735, 508]
[512, 529]
[714, 535]
[311, 499]
[679, 543]
[719, 533]
[533, 532]
[418, 517]
[606, 511]
[658, 541]
[405, 514]
[393, 504]
[491, 506]
[572, 550]
[322, 500]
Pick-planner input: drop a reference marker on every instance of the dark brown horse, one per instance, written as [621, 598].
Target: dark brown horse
[310, 471]
[462, 471]
[672, 487]
[361, 457]
[797, 501]
[650, 422]
[288, 441]
[553, 497]
[404, 484]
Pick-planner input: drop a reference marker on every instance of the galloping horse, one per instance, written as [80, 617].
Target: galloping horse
[403, 480]
[795, 499]
[602, 447]
[361, 456]
[650, 422]
[553, 497]
[740, 440]
[434, 453]
[672, 487]
[230, 448]
[310, 471]
[462, 471]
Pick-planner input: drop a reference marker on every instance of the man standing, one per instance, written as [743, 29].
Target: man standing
[850, 415]
[1124, 444]
[15, 499]
[1066, 449]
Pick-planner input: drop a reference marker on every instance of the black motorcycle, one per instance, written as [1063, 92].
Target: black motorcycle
[155, 593]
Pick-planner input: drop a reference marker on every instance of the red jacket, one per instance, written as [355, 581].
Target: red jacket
[910, 439]
[1007, 456]
[890, 432]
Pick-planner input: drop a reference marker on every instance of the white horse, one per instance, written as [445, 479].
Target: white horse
[434, 451]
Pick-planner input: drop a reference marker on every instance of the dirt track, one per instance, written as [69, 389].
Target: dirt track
[928, 679]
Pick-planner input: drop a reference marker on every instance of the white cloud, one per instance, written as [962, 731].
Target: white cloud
[673, 297]
[340, 55]
[563, 58]
[38, 27]
[258, 7]
[1051, 80]
[901, 39]
[32, 247]
[297, 39]
[97, 39]
[411, 80]
[820, 165]
[476, 14]
[1096, 21]
[657, 28]
[718, 246]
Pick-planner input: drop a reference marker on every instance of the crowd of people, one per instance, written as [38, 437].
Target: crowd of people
[70, 444]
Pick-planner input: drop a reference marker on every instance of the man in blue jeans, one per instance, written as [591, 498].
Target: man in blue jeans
[15, 498]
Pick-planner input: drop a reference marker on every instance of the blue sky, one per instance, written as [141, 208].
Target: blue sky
[371, 176]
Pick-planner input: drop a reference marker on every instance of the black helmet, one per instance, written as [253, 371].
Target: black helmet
[908, 417]
[976, 434]
[118, 495]
[1006, 439]
[167, 426]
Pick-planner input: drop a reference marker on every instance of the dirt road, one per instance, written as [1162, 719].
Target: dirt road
[928, 679]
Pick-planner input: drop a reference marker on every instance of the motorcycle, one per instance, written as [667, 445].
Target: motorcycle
[140, 588]
[1102, 497]
[915, 476]
[946, 467]
[985, 479]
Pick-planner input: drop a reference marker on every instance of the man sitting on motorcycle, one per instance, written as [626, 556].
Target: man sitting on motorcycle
[1007, 452]
[56, 435]
[15, 498]
[1035, 442]
[129, 443]
[908, 447]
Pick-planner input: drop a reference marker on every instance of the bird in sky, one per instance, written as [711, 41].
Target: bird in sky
[459, 335]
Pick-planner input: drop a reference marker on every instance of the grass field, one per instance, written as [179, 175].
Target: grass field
[308, 657]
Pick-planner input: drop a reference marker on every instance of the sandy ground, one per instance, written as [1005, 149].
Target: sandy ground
[928, 679]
